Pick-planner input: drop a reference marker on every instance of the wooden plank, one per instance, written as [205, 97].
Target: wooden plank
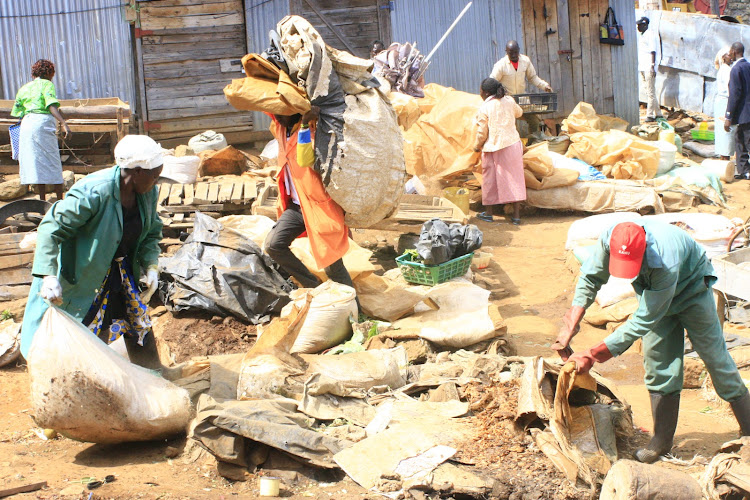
[201, 193]
[187, 80]
[384, 20]
[596, 69]
[342, 38]
[225, 191]
[175, 194]
[16, 276]
[14, 292]
[200, 90]
[193, 54]
[565, 91]
[237, 191]
[203, 123]
[158, 10]
[180, 69]
[213, 192]
[605, 51]
[192, 47]
[542, 49]
[22, 489]
[250, 190]
[142, 107]
[189, 194]
[181, 103]
[9, 261]
[584, 16]
[168, 114]
[529, 33]
[180, 3]
[162, 23]
[166, 40]
[164, 189]
[553, 45]
[576, 47]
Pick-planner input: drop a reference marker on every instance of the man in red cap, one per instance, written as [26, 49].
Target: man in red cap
[673, 280]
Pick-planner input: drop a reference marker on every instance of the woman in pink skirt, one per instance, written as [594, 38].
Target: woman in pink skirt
[502, 151]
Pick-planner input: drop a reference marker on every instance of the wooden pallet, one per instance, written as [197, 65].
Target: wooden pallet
[224, 190]
[15, 267]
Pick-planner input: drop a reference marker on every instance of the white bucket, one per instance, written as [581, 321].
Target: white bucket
[723, 168]
[667, 157]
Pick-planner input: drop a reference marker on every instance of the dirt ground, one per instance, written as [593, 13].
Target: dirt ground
[534, 291]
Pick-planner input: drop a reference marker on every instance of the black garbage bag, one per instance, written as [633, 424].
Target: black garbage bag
[220, 271]
[465, 238]
[435, 245]
[439, 242]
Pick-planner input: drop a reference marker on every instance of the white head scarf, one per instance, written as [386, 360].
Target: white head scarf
[135, 151]
[719, 59]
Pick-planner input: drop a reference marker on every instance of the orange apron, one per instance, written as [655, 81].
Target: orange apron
[324, 218]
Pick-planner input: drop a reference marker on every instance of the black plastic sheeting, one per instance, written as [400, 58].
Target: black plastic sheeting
[439, 242]
[222, 272]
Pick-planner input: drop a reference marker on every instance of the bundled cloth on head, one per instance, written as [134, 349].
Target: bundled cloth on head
[403, 67]
[358, 145]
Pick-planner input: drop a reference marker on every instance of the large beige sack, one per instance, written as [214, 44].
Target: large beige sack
[86, 391]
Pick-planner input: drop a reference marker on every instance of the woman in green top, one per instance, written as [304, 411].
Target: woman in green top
[37, 106]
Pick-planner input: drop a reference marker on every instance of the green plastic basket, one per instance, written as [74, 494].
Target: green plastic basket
[416, 272]
[702, 135]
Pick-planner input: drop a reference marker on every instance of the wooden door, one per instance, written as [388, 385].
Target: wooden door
[562, 39]
[350, 25]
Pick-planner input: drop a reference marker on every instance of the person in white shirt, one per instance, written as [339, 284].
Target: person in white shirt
[513, 71]
[647, 50]
[724, 141]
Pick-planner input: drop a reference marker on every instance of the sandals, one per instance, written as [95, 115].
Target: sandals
[516, 222]
[485, 217]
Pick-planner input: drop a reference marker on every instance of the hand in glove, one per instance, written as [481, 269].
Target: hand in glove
[584, 360]
[51, 289]
[152, 281]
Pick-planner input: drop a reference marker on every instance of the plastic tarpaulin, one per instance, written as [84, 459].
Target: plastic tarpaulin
[440, 143]
[221, 271]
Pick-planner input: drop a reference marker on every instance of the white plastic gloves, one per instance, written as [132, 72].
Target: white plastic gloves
[151, 279]
[51, 289]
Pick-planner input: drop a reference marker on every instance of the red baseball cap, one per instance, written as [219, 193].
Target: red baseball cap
[627, 245]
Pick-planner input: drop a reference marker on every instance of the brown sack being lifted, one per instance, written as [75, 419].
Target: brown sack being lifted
[266, 88]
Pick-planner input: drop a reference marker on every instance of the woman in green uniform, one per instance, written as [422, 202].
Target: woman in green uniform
[92, 247]
[37, 106]
[673, 280]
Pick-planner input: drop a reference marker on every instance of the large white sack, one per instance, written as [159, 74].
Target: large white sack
[613, 291]
[207, 140]
[10, 341]
[462, 318]
[711, 231]
[181, 169]
[586, 231]
[372, 172]
[327, 323]
[356, 259]
[86, 391]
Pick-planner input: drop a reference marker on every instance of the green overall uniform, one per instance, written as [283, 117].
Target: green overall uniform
[674, 290]
[77, 240]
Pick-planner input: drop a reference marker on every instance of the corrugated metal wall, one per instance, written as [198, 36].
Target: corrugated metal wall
[625, 64]
[88, 40]
[477, 42]
[261, 16]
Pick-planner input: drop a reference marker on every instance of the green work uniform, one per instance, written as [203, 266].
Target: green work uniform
[77, 240]
[35, 97]
[674, 289]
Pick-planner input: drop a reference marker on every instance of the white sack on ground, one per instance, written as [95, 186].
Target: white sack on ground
[86, 391]
[10, 341]
[327, 323]
[462, 318]
[586, 231]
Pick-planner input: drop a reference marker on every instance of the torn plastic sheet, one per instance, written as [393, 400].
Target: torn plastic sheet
[221, 271]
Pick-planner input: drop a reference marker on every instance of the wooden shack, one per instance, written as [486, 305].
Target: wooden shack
[187, 51]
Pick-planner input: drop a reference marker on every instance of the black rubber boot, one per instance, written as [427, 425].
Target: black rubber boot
[665, 408]
[144, 355]
[741, 409]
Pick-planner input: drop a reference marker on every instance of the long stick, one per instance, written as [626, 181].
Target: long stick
[440, 42]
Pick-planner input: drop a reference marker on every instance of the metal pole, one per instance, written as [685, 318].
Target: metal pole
[715, 7]
[440, 42]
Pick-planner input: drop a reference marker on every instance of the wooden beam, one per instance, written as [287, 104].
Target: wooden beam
[22, 489]
[10, 261]
[333, 28]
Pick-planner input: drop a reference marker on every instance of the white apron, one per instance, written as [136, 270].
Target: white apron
[39, 155]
